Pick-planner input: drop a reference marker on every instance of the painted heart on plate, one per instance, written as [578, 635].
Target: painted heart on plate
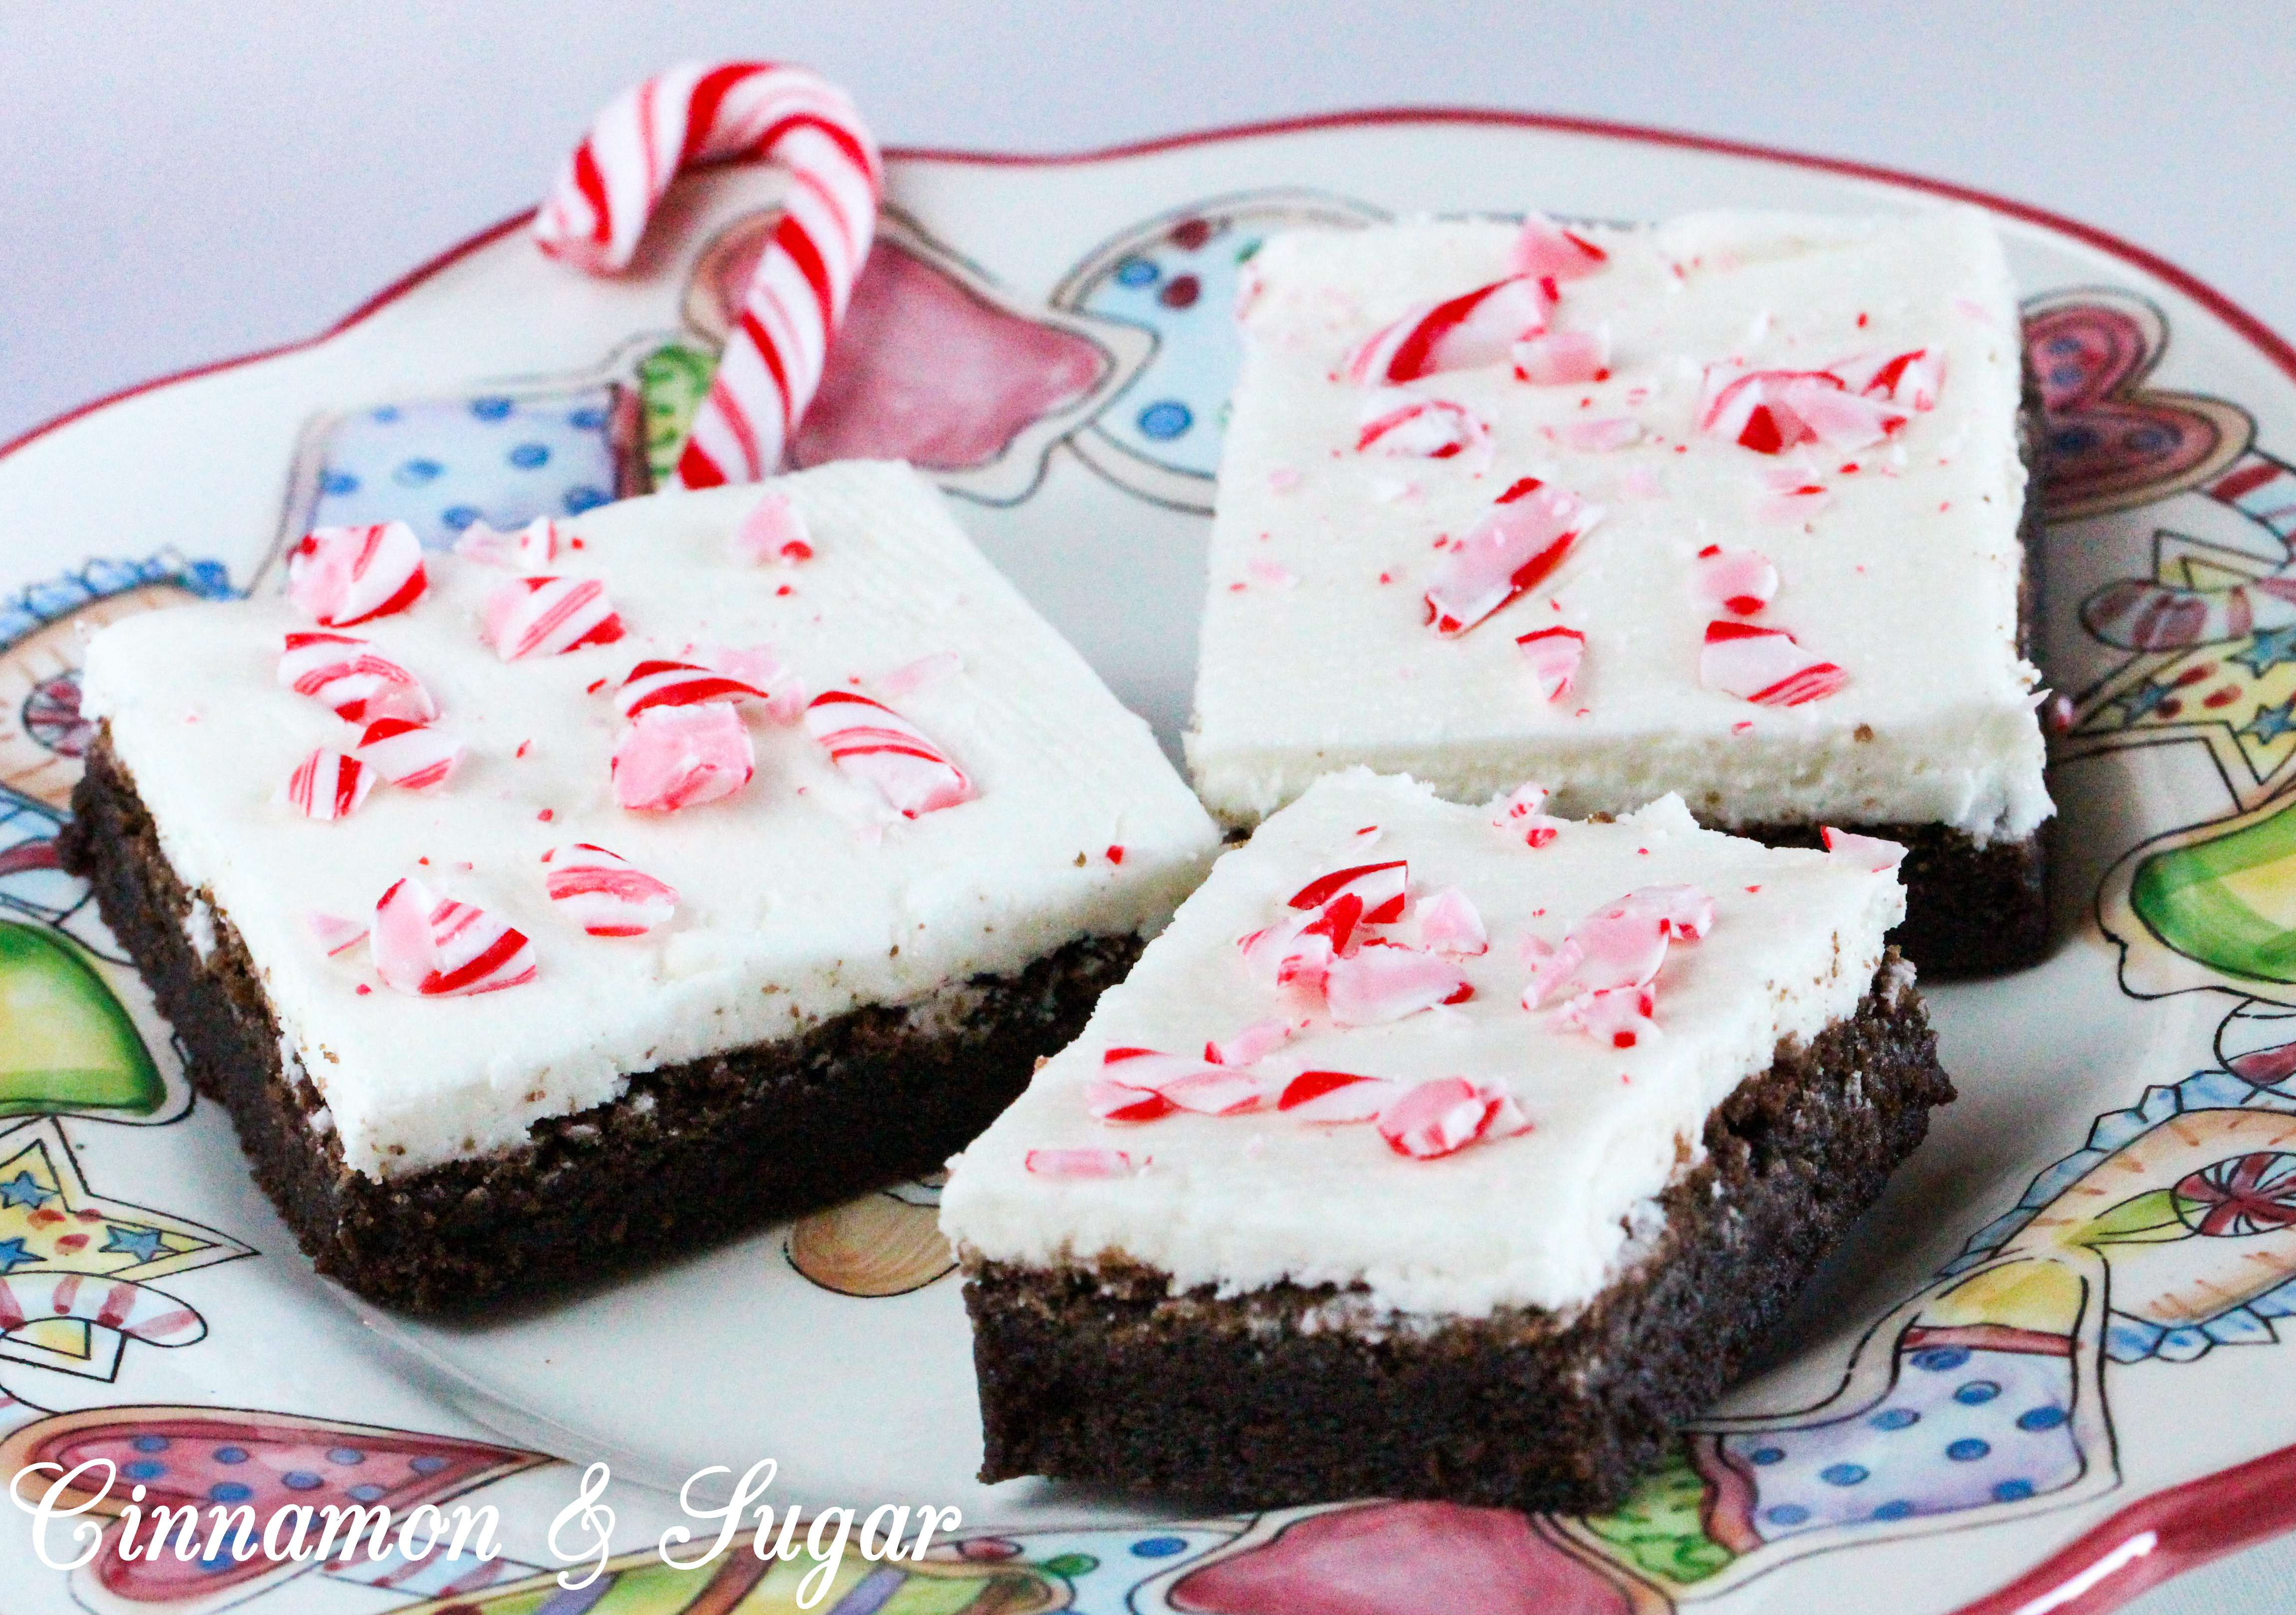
[2110, 443]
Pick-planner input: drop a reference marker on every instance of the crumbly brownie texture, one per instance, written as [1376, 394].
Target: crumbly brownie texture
[1971, 910]
[690, 1153]
[1292, 1395]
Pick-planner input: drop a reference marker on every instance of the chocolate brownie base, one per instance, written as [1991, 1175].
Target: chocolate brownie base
[1292, 1394]
[690, 1153]
[1971, 910]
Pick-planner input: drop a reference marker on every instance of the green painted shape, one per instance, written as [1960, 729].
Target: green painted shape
[66, 1043]
[672, 382]
[2152, 1218]
[2181, 895]
[1659, 1529]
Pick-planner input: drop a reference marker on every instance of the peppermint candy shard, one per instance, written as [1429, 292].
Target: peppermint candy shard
[1185, 1084]
[605, 894]
[1082, 1163]
[546, 616]
[876, 745]
[1764, 666]
[1111, 1100]
[1600, 438]
[352, 679]
[1519, 813]
[1623, 945]
[1563, 358]
[328, 785]
[1475, 328]
[529, 549]
[1449, 923]
[1684, 912]
[1546, 251]
[347, 575]
[1850, 405]
[1383, 889]
[332, 932]
[431, 946]
[1382, 982]
[773, 533]
[1737, 580]
[411, 756]
[678, 683]
[1618, 1017]
[680, 757]
[1551, 966]
[1513, 548]
[1337, 1096]
[1443, 1117]
[1254, 1043]
[1400, 423]
[1554, 655]
[1870, 853]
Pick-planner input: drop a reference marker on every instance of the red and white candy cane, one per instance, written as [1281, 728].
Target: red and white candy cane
[329, 785]
[1764, 666]
[657, 683]
[346, 575]
[726, 112]
[1515, 546]
[874, 744]
[604, 893]
[549, 617]
[1737, 580]
[135, 1310]
[1554, 655]
[433, 946]
[412, 757]
[348, 675]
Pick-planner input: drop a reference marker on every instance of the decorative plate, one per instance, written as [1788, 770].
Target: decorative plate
[2105, 1224]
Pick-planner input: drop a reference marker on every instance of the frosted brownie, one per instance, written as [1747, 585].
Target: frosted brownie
[607, 886]
[1439, 1151]
[1733, 506]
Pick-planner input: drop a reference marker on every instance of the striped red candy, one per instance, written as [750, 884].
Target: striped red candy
[604, 893]
[1620, 944]
[432, 946]
[875, 744]
[1684, 912]
[1554, 655]
[1601, 437]
[1551, 966]
[1383, 981]
[1449, 923]
[1737, 580]
[328, 785]
[1384, 889]
[352, 678]
[1513, 548]
[1081, 1163]
[1475, 328]
[529, 549]
[549, 617]
[773, 532]
[1255, 1042]
[1400, 423]
[1912, 379]
[1112, 1100]
[680, 757]
[1866, 852]
[332, 932]
[1337, 1096]
[1563, 358]
[1441, 1117]
[1185, 1084]
[1849, 405]
[678, 683]
[1617, 1016]
[413, 757]
[1519, 813]
[1546, 250]
[346, 575]
[1764, 666]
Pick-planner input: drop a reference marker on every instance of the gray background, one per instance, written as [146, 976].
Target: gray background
[185, 182]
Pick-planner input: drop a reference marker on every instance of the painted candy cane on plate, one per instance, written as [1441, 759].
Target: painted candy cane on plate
[604, 893]
[1764, 666]
[549, 617]
[729, 111]
[349, 677]
[329, 785]
[873, 743]
[347, 575]
[428, 945]
[1514, 547]
[135, 1310]
[412, 757]
[1475, 328]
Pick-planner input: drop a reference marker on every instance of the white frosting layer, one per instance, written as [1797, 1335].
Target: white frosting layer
[1907, 578]
[1542, 1219]
[799, 901]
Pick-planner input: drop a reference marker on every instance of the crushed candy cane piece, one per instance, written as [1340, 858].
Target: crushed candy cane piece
[1545, 249]
[1513, 548]
[328, 785]
[925, 670]
[411, 756]
[1382, 982]
[529, 549]
[332, 932]
[761, 668]
[773, 533]
[1337, 1096]
[347, 575]
[1384, 888]
[1450, 924]
[1255, 1042]
[678, 683]
[1618, 1016]
[1563, 358]
[433, 946]
[545, 616]
[1868, 852]
[1271, 573]
[1475, 328]
[1737, 580]
[1602, 438]
[1081, 1163]
[605, 894]
[1552, 965]
[680, 757]
[1110, 1100]
[1764, 666]
[1441, 1117]
[1850, 405]
[1400, 423]
[1518, 812]
[1913, 380]
[1622, 944]
[876, 744]
[1554, 655]
[1684, 912]
[349, 677]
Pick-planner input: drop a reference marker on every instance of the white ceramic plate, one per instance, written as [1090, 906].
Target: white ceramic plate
[2106, 1221]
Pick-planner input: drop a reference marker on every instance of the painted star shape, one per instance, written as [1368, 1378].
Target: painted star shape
[2269, 648]
[12, 1255]
[141, 1243]
[2270, 723]
[24, 1190]
[2140, 701]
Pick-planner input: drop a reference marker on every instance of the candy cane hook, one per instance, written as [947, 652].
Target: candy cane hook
[709, 112]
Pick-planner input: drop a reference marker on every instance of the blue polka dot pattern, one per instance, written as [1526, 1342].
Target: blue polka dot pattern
[1136, 272]
[2013, 1491]
[428, 1464]
[414, 473]
[229, 1454]
[345, 1455]
[302, 1480]
[492, 409]
[1767, 1455]
[2041, 1418]
[1977, 1393]
[1159, 1547]
[388, 415]
[1165, 421]
[365, 1491]
[337, 483]
[143, 1469]
[1896, 1508]
[580, 499]
[230, 1491]
[150, 1444]
[1968, 1450]
[530, 456]
[1842, 1474]
[1786, 1514]
[1895, 1418]
[1939, 1359]
[587, 420]
[459, 517]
